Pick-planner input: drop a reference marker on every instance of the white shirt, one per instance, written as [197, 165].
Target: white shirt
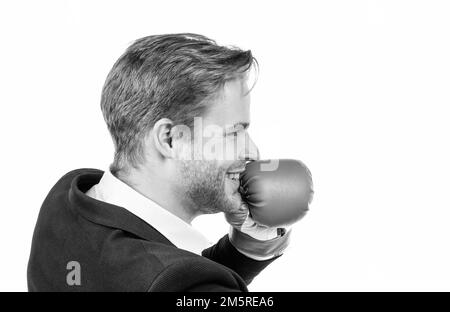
[177, 231]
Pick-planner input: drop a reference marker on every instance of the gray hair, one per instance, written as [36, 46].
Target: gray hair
[171, 76]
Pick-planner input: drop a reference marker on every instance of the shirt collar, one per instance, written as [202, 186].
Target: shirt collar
[180, 233]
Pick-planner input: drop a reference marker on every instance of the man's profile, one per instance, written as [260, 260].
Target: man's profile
[177, 107]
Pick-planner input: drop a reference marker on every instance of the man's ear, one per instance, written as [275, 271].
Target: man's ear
[162, 137]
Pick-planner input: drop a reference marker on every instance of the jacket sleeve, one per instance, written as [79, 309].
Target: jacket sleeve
[197, 274]
[225, 253]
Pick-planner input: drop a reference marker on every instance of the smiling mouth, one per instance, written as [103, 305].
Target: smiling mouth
[234, 183]
[233, 176]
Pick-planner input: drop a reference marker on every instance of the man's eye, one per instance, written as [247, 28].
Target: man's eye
[231, 133]
[235, 132]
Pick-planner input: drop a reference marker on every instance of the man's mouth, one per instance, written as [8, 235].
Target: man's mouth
[233, 176]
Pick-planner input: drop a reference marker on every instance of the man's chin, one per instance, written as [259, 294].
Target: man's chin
[227, 204]
[232, 194]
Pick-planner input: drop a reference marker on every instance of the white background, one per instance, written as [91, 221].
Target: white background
[358, 90]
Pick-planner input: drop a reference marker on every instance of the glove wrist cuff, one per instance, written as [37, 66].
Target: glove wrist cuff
[262, 249]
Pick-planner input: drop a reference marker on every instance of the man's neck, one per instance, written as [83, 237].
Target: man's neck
[157, 189]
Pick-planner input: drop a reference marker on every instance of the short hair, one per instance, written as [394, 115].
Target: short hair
[171, 76]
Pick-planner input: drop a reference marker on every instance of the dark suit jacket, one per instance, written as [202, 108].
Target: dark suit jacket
[117, 251]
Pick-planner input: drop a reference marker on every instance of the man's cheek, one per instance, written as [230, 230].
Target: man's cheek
[213, 149]
[231, 149]
[221, 148]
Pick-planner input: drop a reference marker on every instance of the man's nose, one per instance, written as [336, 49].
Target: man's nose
[250, 150]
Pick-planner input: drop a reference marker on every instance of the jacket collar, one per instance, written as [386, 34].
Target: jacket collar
[103, 213]
[114, 191]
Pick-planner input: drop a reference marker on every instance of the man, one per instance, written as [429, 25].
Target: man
[177, 108]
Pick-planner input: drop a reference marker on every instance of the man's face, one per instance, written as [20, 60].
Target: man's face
[221, 145]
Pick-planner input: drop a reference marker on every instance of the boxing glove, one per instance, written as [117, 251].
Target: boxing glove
[277, 192]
